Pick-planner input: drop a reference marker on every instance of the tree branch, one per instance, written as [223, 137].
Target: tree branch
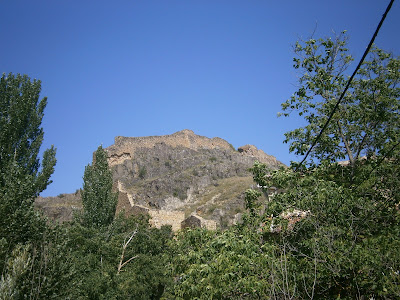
[346, 144]
[124, 246]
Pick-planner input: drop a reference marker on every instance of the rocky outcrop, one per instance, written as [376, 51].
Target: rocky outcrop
[183, 174]
[60, 208]
[258, 154]
[125, 148]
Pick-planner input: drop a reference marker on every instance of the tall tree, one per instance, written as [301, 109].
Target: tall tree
[339, 222]
[367, 121]
[22, 177]
[98, 199]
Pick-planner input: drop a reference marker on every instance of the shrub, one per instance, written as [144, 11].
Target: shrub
[142, 172]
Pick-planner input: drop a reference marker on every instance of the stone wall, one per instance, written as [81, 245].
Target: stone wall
[165, 217]
[209, 224]
[195, 221]
[124, 147]
[160, 217]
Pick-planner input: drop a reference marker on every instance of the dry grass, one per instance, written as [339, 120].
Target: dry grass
[224, 194]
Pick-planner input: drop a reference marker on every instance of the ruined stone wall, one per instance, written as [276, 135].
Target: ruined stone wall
[159, 217]
[209, 224]
[176, 219]
[165, 217]
[195, 221]
[124, 147]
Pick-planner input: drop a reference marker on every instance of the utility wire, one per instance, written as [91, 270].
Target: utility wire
[348, 84]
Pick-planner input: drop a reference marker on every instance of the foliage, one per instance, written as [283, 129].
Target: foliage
[347, 245]
[98, 199]
[21, 135]
[40, 270]
[97, 253]
[40, 260]
[32, 258]
[143, 172]
[213, 159]
[367, 120]
[236, 263]
[337, 225]
[21, 178]
[220, 265]
[17, 267]
[329, 231]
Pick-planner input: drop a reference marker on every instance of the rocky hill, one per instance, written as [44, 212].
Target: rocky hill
[176, 176]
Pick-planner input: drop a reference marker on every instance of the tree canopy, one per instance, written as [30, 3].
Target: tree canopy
[367, 120]
[22, 176]
[337, 224]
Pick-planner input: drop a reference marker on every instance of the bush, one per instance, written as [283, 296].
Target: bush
[142, 172]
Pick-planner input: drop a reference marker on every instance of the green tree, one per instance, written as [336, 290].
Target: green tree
[236, 263]
[368, 118]
[343, 241]
[22, 177]
[338, 224]
[126, 260]
[98, 199]
[33, 261]
[40, 270]
[221, 265]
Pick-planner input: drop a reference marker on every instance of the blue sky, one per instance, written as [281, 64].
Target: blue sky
[139, 68]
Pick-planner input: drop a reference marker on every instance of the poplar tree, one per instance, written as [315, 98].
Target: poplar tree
[98, 199]
[22, 177]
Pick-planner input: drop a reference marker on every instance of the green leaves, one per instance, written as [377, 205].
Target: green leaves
[22, 177]
[98, 199]
[344, 234]
[368, 116]
[335, 227]
[226, 265]
[97, 252]
[21, 136]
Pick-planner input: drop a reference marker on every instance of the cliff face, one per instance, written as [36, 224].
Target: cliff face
[125, 148]
[183, 173]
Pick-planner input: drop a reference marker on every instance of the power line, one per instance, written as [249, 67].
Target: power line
[348, 84]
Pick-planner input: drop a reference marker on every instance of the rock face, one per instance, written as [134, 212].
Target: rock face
[183, 174]
[195, 221]
[60, 208]
[125, 148]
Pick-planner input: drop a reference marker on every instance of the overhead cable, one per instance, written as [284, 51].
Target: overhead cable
[348, 84]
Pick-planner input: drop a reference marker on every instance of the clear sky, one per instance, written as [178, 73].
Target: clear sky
[144, 67]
